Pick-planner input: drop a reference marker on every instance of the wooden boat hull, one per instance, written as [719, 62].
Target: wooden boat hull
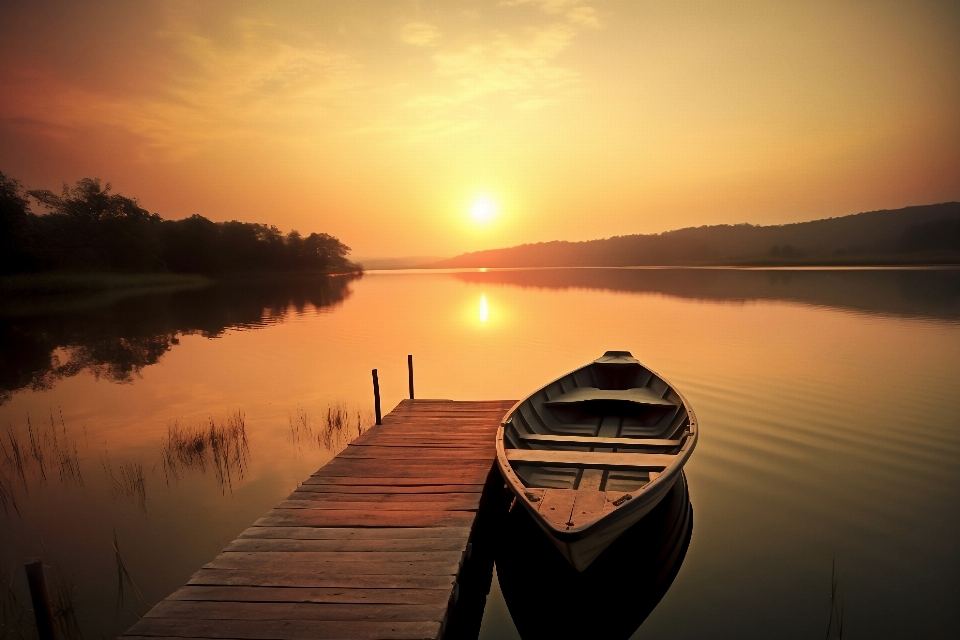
[588, 462]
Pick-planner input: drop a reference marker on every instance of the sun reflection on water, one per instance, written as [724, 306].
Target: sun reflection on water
[484, 310]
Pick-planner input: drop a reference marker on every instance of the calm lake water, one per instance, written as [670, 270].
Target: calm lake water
[828, 405]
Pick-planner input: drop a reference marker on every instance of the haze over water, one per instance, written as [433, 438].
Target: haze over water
[827, 403]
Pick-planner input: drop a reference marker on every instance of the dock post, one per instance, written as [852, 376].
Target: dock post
[410, 373]
[376, 396]
[41, 601]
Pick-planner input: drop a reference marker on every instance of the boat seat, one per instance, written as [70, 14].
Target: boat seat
[592, 441]
[589, 459]
[640, 396]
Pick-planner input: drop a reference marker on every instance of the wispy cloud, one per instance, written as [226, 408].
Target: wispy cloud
[520, 65]
[575, 11]
[419, 34]
[275, 81]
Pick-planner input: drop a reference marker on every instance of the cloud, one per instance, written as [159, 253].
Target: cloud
[419, 34]
[519, 64]
[263, 79]
[585, 16]
[573, 10]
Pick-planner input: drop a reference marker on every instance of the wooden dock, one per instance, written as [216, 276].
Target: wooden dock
[384, 541]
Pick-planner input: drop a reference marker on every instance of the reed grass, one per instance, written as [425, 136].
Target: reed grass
[134, 483]
[221, 447]
[66, 455]
[8, 499]
[44, 450]
[15, 456]
[16, 619]
[131, 484]
[124, 578]
[301, 430]
[36, 450]
[338, 426]
[835, 624]
[63, 603]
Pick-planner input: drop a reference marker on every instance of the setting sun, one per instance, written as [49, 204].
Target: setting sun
[483, 210]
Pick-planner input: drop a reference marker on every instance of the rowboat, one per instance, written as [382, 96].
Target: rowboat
[595, 451]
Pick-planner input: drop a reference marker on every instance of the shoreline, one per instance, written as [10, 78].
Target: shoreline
[68, 283]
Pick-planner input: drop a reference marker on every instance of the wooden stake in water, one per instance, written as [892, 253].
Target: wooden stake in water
[41, 601]
[376, 396]
[410, 373]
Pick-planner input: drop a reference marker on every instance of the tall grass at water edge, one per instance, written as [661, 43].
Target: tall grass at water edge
[43, 452]
[131, 483]
[220, 446]
[337, 427]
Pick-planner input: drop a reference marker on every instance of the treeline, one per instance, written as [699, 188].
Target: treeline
[88, 228]
[928, 234]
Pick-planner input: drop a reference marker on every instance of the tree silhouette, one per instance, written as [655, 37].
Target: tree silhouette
[88, 228]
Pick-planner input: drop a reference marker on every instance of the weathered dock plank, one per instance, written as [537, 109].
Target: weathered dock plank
[373, 545]
[216, 593]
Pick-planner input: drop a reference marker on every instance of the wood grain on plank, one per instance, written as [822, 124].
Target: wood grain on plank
[414, 481]
[465, 472]
[206, 610]
[371, 499]
[303, 578]
[321, 560]
[286, 629]
[369, 567]
[357, 533]
[370, 545]
[373, 518]
[414, 453]
[460, 504]
[391, 488]
[311, 594]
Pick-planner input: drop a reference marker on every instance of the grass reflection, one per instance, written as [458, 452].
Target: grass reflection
[220, 446]
[16, 619]
[123, 578]
[338, 425]
[43, 451]
[131, 484]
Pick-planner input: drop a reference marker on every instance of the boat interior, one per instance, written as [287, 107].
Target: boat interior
[611, 406]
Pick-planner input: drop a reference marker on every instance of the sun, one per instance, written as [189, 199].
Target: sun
[483, 209]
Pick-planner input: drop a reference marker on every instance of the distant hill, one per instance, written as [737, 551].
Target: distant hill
[928, 234]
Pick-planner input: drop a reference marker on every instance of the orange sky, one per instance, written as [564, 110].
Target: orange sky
[383, 122]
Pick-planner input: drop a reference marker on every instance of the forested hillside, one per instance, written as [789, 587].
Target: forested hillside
[928, 234]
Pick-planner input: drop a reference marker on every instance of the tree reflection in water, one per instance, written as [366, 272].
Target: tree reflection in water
[547, 598]
[60, 338]
[908, 292]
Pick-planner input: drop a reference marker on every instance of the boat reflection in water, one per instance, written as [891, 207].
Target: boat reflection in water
[548, 598]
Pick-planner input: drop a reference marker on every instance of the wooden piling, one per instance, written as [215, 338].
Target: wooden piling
[41, 600]
[376, 396]
[410, 373]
